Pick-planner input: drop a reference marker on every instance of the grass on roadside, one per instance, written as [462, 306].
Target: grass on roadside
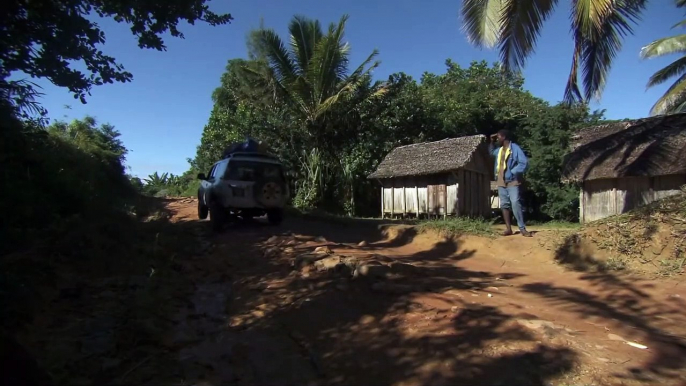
[459, 226]
[554, 225]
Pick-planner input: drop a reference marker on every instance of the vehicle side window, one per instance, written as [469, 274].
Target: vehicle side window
[210, 175]
[220, 169]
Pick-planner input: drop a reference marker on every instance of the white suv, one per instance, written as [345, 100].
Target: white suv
[244, 184]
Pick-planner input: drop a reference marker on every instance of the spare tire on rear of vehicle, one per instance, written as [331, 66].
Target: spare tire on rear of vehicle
[270, 192]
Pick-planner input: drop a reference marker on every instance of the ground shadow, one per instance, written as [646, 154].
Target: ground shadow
[430, 325]
[621, 300]
[410, 329]
[574, 253]
[104, 297]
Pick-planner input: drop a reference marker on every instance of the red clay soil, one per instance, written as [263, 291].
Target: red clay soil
[469, 310]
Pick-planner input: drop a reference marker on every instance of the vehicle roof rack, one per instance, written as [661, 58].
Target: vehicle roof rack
[251, 154]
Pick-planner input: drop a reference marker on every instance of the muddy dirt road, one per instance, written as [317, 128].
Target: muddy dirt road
[439, 311]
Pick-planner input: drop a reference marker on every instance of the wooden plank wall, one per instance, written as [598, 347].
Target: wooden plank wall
[451, 198]
[474, 195]
[464, 193]
[404, 196]
[608, 197]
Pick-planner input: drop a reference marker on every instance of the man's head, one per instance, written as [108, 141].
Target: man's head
[504, 135]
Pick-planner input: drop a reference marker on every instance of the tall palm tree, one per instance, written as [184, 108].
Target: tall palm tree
[310, 75]
[597, 26]
[674, 99]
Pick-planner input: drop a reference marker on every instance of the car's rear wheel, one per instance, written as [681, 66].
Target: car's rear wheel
[275, 216]
[217, 216]
[202, 210]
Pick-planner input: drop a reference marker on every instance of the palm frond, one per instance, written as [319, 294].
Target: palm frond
[572, 92]
[353, 83]
[602, 32]
[521, 24]
[483, 21]
[588, 16]
[665, 46]
[679, 24]
[329, 63]
[672, 99]
[304, 36]
[361, 71]
[676, 68]
[277, 55]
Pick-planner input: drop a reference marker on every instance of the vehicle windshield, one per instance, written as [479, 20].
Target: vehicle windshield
[254, 171]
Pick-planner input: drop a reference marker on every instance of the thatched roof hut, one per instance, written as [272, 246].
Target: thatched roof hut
[644, 147]
[448, 177]
[427, 158]
[623, 165]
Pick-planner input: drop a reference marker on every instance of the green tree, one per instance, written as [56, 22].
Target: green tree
[598, 28]
[546, 136]
[86, 135]
[45, 39]
[316, 94]
[312, 78]
[674, 99]
[59, 172]
[480, 99]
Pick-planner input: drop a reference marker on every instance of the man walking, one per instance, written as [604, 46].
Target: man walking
[510, 165]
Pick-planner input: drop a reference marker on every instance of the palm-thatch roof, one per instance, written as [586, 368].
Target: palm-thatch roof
[645, 147]
[428, 157]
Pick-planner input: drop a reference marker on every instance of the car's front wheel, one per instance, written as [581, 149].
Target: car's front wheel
[217, 216]
[275, 216]
[202, 210]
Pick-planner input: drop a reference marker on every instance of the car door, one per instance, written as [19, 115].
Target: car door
[206, 185]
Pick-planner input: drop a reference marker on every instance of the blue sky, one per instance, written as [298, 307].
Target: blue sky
[162, 112]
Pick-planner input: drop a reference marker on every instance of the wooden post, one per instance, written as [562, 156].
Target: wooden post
[614, 199]
[392, 198]
[463, 193]
[581, 203]
[487, 194]
[416, 199]
[404, 201]
[426, 202]
[382, 202]
[445, 201]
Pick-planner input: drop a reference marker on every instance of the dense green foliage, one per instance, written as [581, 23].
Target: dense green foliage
[58, 173]
[166, 185]
[45, 39]
[330, 153]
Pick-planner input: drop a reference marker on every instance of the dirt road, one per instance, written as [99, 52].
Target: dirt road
[457, 311]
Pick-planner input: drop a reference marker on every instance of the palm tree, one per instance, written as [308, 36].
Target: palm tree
[674, 99]
[310, 79]
[310, 75]
[598, 27]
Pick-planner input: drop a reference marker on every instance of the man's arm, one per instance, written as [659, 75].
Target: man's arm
[522, 162]
[492, 150]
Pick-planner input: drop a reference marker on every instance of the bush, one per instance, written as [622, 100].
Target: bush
[50, 175]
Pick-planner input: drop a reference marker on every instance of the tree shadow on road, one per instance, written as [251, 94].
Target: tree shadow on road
[405, 330]
[618, 299]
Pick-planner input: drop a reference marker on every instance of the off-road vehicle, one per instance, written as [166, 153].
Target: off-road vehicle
[244, 184]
